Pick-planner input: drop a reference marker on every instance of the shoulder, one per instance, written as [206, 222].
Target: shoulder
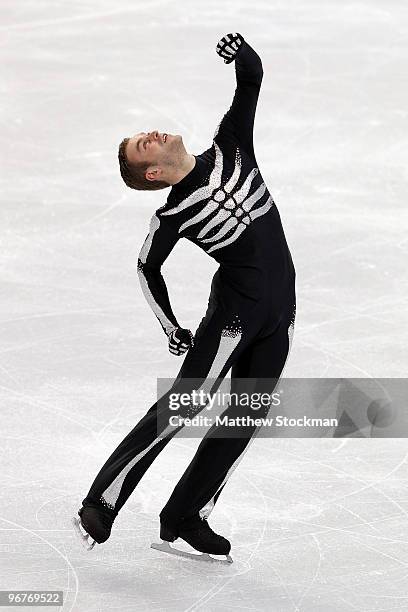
[209, 154]
[225, 143]
[162, 221]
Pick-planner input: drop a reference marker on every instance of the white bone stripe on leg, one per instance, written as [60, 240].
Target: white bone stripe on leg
[227, 344]
[111, 494]
[209, 506]
[225, 348]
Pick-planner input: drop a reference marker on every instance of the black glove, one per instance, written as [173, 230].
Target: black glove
[228, 46]
[180, 340]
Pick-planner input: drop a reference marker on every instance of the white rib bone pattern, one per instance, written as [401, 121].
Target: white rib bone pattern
[233, 212]
[203, 192]
[222, 215]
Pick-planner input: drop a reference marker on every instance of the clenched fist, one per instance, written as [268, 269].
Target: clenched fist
[180, 340]
[228, 46]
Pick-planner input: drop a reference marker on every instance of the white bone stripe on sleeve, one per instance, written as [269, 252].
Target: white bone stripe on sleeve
[165, 322]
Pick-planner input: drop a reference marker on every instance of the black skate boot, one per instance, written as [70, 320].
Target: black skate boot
[97, 524]
[198, 534]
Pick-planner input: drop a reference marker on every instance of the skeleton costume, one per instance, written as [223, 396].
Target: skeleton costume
[225, 208]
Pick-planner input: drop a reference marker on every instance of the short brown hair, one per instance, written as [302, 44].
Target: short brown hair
[134, 174]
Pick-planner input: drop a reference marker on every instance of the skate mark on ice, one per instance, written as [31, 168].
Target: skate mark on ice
[64, 557]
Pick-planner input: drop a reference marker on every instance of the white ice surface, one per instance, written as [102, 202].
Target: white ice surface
[316, 525]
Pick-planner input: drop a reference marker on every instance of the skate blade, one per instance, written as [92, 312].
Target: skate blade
[207, 558]
[86, 540]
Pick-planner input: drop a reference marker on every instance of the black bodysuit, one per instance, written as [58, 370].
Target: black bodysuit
[225, 208]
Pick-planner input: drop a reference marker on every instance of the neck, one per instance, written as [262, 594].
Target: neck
[187, 164]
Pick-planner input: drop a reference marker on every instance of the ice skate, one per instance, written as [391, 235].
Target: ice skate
[93, 527]
[199, 535]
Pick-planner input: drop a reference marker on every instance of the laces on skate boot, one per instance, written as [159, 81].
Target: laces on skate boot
[201, 537]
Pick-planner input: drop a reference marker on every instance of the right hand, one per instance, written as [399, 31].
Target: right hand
[180, 340]
[228, 46]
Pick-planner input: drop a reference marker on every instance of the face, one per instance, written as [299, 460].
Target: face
[161, 150]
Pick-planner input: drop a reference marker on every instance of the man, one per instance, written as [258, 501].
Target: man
[220, 202]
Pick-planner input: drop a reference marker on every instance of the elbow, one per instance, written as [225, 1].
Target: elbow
[248, 65]
[257, 67]
[140, 267]
[145, 270]
[256, 77]
[259, 71]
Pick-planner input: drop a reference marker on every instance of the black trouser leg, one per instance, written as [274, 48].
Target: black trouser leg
[218, 453]
[219, 341]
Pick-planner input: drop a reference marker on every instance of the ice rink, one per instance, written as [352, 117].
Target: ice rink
[316, 525]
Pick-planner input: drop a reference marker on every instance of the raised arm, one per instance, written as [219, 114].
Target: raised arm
[238, 122]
